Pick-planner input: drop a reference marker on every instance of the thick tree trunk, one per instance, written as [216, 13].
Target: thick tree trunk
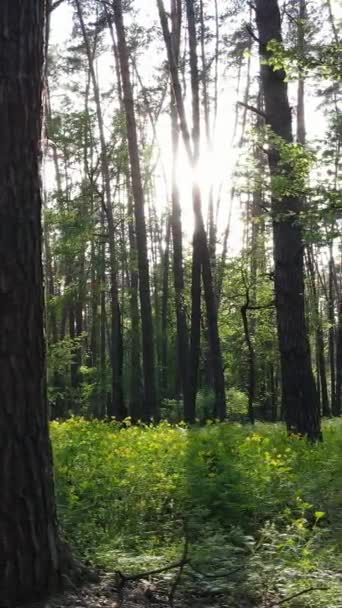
[298, 385]
[29, 555]
[150, 406]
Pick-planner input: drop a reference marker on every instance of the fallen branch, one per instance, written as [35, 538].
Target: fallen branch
[123, 578]
[184, 561]
[292, 597]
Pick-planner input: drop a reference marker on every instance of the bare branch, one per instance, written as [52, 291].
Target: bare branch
[251, 33]
[178, 577]
[123, 578]
[55, 5]
[309, 590]
[252, 109]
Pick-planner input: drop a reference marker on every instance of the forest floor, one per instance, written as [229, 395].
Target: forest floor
[139, 595]
[254, 516]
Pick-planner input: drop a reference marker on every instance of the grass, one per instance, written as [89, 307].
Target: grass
[243, 497]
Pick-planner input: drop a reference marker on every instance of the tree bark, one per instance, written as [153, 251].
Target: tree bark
[176, 225]
[251, 360]
[164, 313]
[30, 563]
[298, 385]
[117, 407]
[332, 344]
[150, 406]
[321, 365]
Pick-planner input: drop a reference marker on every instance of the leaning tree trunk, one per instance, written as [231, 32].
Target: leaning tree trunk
[29, 554]
[298, 385]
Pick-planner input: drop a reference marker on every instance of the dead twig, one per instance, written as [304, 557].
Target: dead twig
[178, 577]
[124, 578]
[295, 595]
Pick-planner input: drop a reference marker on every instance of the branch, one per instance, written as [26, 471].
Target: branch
[55, 5]
[252, 109]
[292, 597]
[251, 33]
[214, 576]
[183, 562]
[135, 577]
[261, 306]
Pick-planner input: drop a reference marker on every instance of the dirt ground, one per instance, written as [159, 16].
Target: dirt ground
[136, 595]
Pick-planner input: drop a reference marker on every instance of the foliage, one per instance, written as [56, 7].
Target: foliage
[248, 497]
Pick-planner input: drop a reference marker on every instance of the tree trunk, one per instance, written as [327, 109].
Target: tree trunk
[29, 548]
[298, 385]
[251, 361]
[150, 406]
[322, 385]
[201, 258]
[164, 313]
[117, 407]
[338, 407]
[176, 225]
[331, 318]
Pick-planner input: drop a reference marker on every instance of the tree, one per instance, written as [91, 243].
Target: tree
[117, 406]
[151, 409]
[30, 562]
[201, 254]
[298, 385]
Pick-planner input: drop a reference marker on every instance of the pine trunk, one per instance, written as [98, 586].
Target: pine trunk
[150, 398]
[298, 385]
[29, 555]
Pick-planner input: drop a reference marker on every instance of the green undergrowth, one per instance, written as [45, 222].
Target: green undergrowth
[247, 500]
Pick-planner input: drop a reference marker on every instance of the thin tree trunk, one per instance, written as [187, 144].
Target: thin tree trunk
[151, 406]
[117, 407]
[331, 318]
[176, 224]
[201, 258]
[338, 406]
[251, 361]
[164, 313]
[321, 366]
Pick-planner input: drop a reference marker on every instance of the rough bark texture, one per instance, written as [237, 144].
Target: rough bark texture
[298, 386]
[29, 557]
[151, 409]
